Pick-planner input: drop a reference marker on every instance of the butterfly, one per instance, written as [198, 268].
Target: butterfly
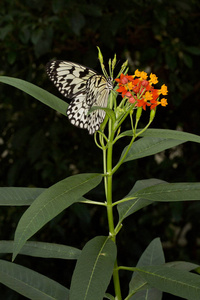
[86, 88]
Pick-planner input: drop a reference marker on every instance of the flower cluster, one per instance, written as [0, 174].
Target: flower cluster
[137, 89]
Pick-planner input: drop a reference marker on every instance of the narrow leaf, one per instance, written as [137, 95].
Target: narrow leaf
[182, 265]
[108, 296]
[170, 280]
[109, 111]
[19, 196]
[172, 134]
[153, 255]
[50, 203]
[147, 294]
[171, 192]
[130, 206]
[37, 92]
[147, 146]
[45, 250]
[93, 270]
[30, 283]
[166, 133]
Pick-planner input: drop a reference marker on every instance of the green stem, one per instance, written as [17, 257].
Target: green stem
[108, 190]
[123, 200]
[109, 186]
[132, 269]
[129, 146]
[105, 172]
[93, 202]
[124, 156]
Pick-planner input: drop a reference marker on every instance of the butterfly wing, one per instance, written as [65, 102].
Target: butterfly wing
[70, 78]
[96, 94]
[86, 89]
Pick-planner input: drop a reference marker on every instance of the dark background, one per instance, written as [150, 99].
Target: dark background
[39, 147]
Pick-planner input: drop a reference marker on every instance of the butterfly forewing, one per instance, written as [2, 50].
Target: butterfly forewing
[86, 88]
[70, 78]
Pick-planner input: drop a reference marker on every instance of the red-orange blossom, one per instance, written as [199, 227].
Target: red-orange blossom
[141, 91]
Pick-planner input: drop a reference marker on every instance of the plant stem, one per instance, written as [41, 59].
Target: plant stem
[108, 190]
[124, 156]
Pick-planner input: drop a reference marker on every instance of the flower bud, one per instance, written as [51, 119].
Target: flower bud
[138, 113]
[152, 114]
[144, 83]
[114, 62]
[100, 56]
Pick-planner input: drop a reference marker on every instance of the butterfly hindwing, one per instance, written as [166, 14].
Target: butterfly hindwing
[86, 88]
[80, 105]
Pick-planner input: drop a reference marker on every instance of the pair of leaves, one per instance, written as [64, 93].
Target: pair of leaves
[90, 279]
[152, 276]
[145, 192]
[30, 283]
[68, 191]
[40, 249]
[155, 141]
[50, 203]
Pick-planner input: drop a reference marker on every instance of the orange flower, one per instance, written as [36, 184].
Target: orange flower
[140, 91]
[143, 103]
[163, 102]
[163, 90]
[122, 89]
[143, 75]
[148, 96]
[155, 93]
[137, 73]
[153, 79]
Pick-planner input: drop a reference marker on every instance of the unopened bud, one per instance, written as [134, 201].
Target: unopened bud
[100, 56]
[114, 62]
[152, 114]
[138, 113]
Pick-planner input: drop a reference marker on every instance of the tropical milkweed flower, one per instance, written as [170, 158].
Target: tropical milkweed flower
[140, 90]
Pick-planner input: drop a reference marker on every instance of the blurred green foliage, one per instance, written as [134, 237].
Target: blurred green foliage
[38, 147]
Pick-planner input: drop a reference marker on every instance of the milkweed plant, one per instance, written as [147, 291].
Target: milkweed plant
[97, 264]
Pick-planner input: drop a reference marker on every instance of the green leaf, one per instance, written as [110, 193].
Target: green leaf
[109, 111]
[77, 22]
[193, 50]
[182, 265]
[171, 192]
[153, 255]
[37, 92]
[5, 30]
[187, 60]
[91, 10]
[108, 296]
[93, 270]
[170, 280]
[50, 203]
[129, 206]
[147, 146]
[168, 134]
[36, 35]
[30, 283]
[19, 196]
[39, 249]
[147, 294]
[171, 60]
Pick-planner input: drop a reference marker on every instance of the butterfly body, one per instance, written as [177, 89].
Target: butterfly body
[85, 88]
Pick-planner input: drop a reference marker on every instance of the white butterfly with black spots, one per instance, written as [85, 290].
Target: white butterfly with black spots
[86, 88]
